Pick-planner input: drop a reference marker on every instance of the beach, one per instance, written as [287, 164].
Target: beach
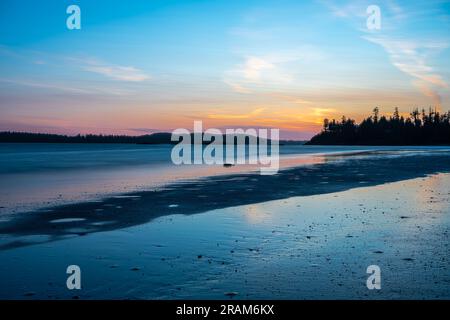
[244, 152]
[309, 232]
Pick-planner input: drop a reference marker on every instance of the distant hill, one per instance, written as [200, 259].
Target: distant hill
[420, 128]
[155, 138]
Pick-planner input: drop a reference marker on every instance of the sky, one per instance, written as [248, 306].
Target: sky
[142, 66]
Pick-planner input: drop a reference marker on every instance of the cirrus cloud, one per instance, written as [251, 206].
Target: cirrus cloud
[122, 73]
[410, 57]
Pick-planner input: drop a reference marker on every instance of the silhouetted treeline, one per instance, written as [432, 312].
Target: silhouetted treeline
[155, 138]
[419, 128]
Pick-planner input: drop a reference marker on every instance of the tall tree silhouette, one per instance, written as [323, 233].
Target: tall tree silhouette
[420, 128]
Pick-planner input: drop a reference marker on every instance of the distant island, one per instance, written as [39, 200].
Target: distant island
[419, 128]
[154, 138]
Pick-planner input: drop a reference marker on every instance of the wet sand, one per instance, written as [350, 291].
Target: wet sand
[305, 233]
[335, 173]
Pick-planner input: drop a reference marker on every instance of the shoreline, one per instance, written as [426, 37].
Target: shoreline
[34, 177]
[219, 192]
[306, 247]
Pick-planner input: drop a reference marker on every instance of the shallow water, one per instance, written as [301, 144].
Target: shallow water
[34, 176]
[307, 233]
[297, 248]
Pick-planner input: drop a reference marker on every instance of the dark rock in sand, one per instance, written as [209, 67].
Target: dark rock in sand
[231, 294]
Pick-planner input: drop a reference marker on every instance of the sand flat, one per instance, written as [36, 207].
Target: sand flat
[287, 236]
[311, 247]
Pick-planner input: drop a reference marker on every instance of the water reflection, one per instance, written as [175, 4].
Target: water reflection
[216, 192]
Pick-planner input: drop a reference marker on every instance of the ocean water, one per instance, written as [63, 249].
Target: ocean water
[34, 176]
[307, 233]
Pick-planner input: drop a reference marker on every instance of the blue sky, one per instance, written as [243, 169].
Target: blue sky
[139, 66]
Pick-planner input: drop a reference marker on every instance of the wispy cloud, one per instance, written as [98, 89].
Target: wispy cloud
[237, 87]
[320, 112]
[289, 98]
[40, 78]
[116, 72]
[224, 116]
[43, 85]
[270, 69]
[113, 71]
[67, 88]
[254, 71]
[349, 9]
[411, 57]
[254, 68]
[357, 9]
[428, 91]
